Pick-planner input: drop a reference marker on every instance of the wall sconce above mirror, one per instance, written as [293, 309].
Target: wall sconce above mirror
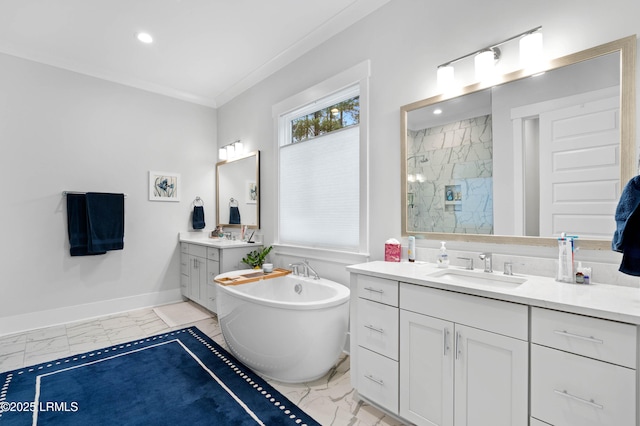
[485, 59]
[232, 150]
[523, 160]
[238, 191]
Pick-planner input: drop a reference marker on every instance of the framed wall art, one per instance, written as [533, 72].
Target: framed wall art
[164, 186]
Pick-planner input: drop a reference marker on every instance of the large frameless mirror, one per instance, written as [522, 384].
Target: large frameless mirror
[527, 159]
[238, 191]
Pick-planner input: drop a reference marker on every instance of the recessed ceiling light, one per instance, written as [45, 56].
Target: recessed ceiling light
[144, 37]
[437, 111]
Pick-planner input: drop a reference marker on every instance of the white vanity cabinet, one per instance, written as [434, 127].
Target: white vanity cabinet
[541, 353]
[201, 263]
[463, 359]
[583, 370]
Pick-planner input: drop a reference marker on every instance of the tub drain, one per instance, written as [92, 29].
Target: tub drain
[298, 288]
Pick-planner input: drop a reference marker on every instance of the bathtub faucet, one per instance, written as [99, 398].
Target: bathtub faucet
[306, 269]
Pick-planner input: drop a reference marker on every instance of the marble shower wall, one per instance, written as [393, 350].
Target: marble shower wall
[450, 170]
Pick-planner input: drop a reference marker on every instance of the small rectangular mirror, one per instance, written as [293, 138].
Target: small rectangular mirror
[238, 191]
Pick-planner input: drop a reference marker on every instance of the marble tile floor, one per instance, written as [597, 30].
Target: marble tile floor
[329, 400]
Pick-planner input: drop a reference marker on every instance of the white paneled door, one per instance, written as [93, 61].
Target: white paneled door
[580, 168]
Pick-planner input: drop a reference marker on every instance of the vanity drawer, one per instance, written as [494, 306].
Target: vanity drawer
[506, 318]
[196, 250]
[378, 379]
[184, 264]
[378, 327]
[184, 248]
[605, 340]
[568, 389]
[184, 285]
[378, 289]
[213, 253]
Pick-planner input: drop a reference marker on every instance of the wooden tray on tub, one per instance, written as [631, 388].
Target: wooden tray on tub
[250, 277]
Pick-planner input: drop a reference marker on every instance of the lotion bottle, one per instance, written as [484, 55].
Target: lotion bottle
[411, 252]
[443, 256]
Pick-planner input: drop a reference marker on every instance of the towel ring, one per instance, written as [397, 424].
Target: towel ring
[198, 202]
[233, 202]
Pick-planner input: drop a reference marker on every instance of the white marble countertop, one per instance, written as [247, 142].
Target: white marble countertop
[599, 300]
[222, 243]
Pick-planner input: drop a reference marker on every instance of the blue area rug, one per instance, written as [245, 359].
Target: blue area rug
[176, 378]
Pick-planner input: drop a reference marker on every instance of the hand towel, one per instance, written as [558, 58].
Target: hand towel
[197, 217]
[105, 221]
[234, 215]
[626, 238]
[77, 225]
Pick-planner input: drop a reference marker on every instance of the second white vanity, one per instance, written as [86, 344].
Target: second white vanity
[456, 347]
[202, 259]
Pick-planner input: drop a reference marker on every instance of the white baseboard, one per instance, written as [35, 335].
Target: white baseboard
[33, 320]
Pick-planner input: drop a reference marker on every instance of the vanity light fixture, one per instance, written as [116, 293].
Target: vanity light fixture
[231, 150]
[486, 58]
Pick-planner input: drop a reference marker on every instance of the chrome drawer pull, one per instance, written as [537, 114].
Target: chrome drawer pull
[372, 328]
[373, 379]
[578, 399]
[577, 336]
[374, 290]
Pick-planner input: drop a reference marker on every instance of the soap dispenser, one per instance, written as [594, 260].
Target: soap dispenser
[443, 256]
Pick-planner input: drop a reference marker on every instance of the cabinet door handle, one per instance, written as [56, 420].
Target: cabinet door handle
[374, 290]
[444, 343]
[590, 403]
[373, 379]
[577, 336]
[372, 328]
[457, 347]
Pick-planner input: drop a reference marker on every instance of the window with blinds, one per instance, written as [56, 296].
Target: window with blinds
[319, 174]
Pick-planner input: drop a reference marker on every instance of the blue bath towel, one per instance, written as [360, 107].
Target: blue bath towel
[197, 218]
[77, 225]
[234, 215]
[626, 238]
[105, 221]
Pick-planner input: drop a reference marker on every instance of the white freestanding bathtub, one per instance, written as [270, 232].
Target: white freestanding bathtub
[291, 328]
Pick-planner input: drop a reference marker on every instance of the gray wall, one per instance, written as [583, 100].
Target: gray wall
[65, 131]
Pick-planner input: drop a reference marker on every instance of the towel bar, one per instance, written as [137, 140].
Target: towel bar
[79, 192]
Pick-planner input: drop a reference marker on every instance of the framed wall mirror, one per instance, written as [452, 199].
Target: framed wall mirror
[526, 159]
[238, 191]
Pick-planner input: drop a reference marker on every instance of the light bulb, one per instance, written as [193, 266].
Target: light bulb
[531, 51]
[446, 78]
[484, 65]
[144, 37]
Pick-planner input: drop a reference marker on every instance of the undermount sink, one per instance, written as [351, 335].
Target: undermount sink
[464, 276]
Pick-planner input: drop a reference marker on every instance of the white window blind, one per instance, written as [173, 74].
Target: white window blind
[319, 191]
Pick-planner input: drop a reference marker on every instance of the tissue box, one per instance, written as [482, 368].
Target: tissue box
[392, 252]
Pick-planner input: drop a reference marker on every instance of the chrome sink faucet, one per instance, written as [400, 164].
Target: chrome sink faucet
[488, 265]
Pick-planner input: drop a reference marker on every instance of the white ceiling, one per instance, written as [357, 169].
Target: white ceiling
[204, 51]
